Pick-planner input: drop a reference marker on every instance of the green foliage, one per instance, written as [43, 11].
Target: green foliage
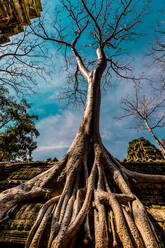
[17, 128]
[142, 150]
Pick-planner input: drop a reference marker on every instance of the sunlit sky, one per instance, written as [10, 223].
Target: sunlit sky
[58, 125]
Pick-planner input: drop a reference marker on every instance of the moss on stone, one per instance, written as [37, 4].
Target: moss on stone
[142, 150]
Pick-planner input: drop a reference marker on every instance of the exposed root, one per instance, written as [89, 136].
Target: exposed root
[153, 230]
[9, 200]
[63, 238]
[87, 231]
[118, 214]
[39, 219]
[34, 188]
[137, 240]
[77, 205]
[101, 231]
[140, 177]
[121, 198]
[113, 228]
[9, 213]
[60, 209]
[37, 237]
[120, 222]
[142, 223]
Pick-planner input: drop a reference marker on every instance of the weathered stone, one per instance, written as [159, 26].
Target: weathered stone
[13, 174]
[142, 150]
[15, 14]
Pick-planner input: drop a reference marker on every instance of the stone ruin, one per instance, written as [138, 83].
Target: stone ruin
[15, 14]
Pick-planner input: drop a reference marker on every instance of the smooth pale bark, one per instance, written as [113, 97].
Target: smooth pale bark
[154, 136]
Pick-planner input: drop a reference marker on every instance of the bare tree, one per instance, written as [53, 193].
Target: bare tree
[89, 190]
[158, 48]
[19, 62]
[147, 110]
[157, 54]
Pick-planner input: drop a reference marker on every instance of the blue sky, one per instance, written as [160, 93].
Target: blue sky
[58, 125]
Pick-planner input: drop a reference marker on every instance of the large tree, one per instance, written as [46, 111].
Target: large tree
[89, 190]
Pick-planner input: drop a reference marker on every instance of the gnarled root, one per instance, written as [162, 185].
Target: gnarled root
[112, 228]
[100, 188]
[143, 224]
[100, 224]
[41, 221]
[37, 187]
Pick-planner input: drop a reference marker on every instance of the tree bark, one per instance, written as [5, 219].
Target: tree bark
[155, 138]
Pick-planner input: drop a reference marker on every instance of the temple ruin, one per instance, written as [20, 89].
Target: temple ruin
[15, 14]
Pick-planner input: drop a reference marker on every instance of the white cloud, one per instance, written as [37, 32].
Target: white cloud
[56, 134]
[115, 133]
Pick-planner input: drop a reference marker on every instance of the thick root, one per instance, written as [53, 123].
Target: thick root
[100, 224]
[104, 186]
[39, 219]
[120, 223]
[138, 242]
[87, 231]
[34, 188]
[142, 223]
[65, 237]
[112, 224]
[38, 235]
[11, 198]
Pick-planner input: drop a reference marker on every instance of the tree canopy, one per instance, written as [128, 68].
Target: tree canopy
[17, 128]
[91, 20]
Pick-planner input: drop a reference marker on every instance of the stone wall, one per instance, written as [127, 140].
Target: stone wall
[15, 14]
[13, 174]
[149, 193]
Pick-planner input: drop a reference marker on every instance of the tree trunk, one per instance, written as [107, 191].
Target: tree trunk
[91, 202]
[155, 138]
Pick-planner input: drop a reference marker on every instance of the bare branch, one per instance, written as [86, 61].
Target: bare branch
[145, 109]
[46, 37]
[81, 65]
[117, 23]
[79, 35]
[94, 20]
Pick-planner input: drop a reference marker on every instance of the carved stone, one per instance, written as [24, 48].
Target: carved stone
[15, 14]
